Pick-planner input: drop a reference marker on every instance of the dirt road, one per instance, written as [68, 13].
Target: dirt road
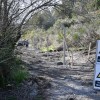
[67, 83]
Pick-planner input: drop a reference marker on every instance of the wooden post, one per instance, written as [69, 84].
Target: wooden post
[89, 51]
[72, 60]
[34, 43]
[47, 39]
[64, 45]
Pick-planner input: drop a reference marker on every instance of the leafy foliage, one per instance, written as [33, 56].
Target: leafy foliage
[13, 73]
[43, 20]
[50, 48]
[75, 36]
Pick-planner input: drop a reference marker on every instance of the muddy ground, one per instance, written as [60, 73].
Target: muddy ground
[66, 81]
[55, 81]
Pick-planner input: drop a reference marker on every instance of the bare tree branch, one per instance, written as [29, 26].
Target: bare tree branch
[38, 7]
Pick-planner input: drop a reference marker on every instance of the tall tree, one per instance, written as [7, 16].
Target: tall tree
[65, 8]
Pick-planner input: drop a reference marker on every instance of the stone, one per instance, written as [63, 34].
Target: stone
[59, 63]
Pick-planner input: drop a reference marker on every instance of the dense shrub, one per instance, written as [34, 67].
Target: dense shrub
[12, 72]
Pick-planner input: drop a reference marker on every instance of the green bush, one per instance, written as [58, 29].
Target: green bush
[81, 30]
[14, 73]
[19, 76]
[60, 37]
[18, 73]
[75, 36]
[45, 49]
[98, 4]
